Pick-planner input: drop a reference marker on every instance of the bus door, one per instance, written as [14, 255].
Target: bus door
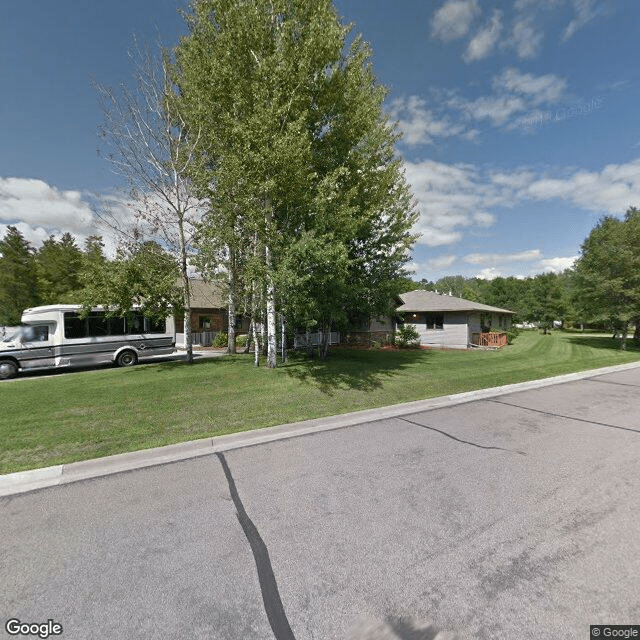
[37, 346]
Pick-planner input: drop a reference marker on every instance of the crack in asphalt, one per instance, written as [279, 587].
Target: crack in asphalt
[622, 384]
[268, 586]
[473, 444]
[558, 415]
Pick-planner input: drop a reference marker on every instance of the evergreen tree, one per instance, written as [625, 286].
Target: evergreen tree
[18, 277]
[58, 267]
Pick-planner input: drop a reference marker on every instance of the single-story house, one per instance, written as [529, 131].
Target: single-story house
[209, 313]
[454, 323]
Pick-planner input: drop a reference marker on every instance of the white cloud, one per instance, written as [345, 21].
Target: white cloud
[489, 274]
[441, 262]
[557, 265]
[453, 19]
[493, 258]
[526, 39]
[458, 200]
[538, 89]
[483, 43]
[514, 99]
[526, 26]
[585, 11]
[419, 124]
[497, 109]
[34, 235]
[514, 102]
[38, 204]
[611, 190]
[516, 180]
[451, 198]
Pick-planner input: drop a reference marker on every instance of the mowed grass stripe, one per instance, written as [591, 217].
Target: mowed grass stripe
[60, 419]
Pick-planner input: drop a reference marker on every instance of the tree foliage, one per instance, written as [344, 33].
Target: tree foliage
[607, 274]
[145, 277]
[294, 150]
[59, 264]
[18, 276]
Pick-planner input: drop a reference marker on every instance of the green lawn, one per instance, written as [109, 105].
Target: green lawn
[65, 418]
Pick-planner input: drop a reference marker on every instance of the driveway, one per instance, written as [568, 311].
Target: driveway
[507, 518]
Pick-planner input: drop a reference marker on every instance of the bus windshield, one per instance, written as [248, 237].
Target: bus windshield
[13, 337]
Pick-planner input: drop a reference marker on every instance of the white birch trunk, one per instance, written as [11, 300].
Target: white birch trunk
[283, 338]
[186, 287]
[256, 347]
[188, 339]
[231, 343]
[271, 314]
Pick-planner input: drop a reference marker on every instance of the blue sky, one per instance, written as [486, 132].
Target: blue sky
[519, 117]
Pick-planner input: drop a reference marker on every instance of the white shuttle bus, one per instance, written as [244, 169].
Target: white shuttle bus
[57, 336]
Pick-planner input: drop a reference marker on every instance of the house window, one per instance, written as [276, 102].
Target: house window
[204, 323]
[434, 320]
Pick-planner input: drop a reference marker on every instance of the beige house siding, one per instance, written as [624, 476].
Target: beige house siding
[453, 335]
[474, 325]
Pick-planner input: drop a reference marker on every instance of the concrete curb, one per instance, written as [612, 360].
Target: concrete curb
[24, 481]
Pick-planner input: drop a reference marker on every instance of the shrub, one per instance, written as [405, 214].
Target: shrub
[221, 339]
[407, 337]
[241, 341]
[512, 334]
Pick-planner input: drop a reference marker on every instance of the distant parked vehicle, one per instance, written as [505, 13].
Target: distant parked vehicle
[56, 336]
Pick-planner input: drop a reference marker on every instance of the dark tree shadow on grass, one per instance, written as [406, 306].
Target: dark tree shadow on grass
[363, 370]
[603, 342]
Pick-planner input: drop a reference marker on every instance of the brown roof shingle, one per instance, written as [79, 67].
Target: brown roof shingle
[431, 301]
[206, 295]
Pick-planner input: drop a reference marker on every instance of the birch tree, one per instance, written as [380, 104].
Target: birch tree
[293, 140]
[151, 147]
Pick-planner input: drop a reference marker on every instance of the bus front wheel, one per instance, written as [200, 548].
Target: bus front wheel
[8, 369]
[127, 359]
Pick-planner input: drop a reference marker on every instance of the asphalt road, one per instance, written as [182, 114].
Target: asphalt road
[512, 518]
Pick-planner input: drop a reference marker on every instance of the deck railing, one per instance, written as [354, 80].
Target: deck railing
[308, 340]
[491, 339]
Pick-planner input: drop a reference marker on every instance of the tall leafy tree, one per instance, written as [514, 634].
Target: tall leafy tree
[607, 274]
[18, 276]
[145, 277]
[451, 284]
[293, 141]
[545, 300]
[312, 275]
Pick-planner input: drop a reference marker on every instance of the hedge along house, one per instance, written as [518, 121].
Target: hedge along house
[454, 323]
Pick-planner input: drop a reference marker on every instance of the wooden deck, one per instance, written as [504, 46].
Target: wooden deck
[493, 339]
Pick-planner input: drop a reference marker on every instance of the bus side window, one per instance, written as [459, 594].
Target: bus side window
[74, 327]
[116, 326]
[98, 325]
[135, 323]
